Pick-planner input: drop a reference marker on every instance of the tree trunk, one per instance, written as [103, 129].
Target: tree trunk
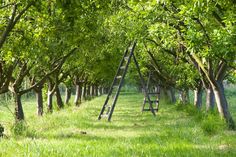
[103, 90]
[19, 113]
[49, 98]
[96, 90]
[59, 99]
[78, 94]
[210, 100]
[93, 91]
[67, 95]
[49, 101]
[164, 95]
[99, 90]
[222, 104]
[198, 98]
[84, 91]
[107, 90]
[89, 90]
[171, 93]
[184, 96]
[39, 97]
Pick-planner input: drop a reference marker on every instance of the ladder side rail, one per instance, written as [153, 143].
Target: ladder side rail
[144, 86]
[117, 72]
[121, 83]
[113, 83]
[147, 85]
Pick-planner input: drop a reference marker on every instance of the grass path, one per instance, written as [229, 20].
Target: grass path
[77, 132]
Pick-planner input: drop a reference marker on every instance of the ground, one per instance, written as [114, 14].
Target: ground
[75, 131]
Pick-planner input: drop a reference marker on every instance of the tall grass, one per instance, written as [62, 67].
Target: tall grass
[77, 132]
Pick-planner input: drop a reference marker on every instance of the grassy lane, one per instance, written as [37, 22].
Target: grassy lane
[76, 132]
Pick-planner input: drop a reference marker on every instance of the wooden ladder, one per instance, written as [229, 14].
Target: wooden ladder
[110, 102]
[151, 94]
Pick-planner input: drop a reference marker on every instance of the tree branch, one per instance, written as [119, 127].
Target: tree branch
[9, 27]
[221, 72]
[7, 5]
[204, 30]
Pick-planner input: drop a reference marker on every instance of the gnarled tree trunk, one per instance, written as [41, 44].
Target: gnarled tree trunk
[184, 96]
[100, 90]
[96, 90]
[59, 99]
[78, 93]
[222, 103]
[49, 97]
[171, 93]
[19, 113]
[67, 95]
[39, 98]
[88, 90]
[93, 90]
[84, 91]
[210, 100]
[198, 98]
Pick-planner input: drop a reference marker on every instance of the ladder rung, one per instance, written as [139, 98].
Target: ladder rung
[126, 58]
[108, 109]
[104, 115]
[153, 93]
[152, 101]
[155, 109]
[115, 86]
[123, 67]
[108, 106]
[119, 77]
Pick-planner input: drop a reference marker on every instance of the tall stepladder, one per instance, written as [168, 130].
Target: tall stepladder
[113, 94]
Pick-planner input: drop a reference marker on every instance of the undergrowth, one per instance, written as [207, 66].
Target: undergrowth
[210, 122]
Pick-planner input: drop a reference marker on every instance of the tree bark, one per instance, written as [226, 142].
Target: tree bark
[184, 96]
[222, 104]
[171, 93]
[96, 90]
[93, 91]
[19, 113]
[100, 90]
[49, 98]
[39, 97]
[84, 91]
[210, 100]
[89, 91]
[59, 99]
[78, 94]
[67, 95]
[198, 97]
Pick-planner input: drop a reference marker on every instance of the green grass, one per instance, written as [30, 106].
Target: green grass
[77, 132]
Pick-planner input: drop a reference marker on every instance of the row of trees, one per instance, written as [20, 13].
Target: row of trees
[190, 44]
[49, 42]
